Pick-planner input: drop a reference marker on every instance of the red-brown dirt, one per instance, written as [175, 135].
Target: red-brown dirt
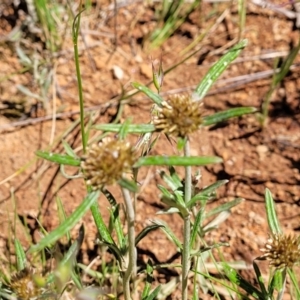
[255, 158]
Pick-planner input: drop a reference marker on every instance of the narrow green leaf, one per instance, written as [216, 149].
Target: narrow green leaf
[235, 278]
[110, 197]
[62, 214]
[70, 222]
[207, 191]
[154, 293]
[68, 149]
[128, 184]
[153, 96]
[116, 252]
[117, 224]
[145, 231]
[20, 255]
[217, 69]
[149, 280]
[260, 280]
[196, 198]
[132, 128]
[227, 114]
[58, 158]
[177, 161]
[172, 180]
[124, 129]
[71, 254]
[271, 213]
[101, 227]
[196, 226]
[169, 233]
[209, 248]
[165, 192]
[224, 207]
[295, 282]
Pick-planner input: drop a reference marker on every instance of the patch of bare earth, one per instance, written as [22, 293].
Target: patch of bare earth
[254, 158]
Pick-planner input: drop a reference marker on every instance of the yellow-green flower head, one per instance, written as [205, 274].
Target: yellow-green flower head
[23, 285]
[283, 251]
[179, 116]
[106, 162]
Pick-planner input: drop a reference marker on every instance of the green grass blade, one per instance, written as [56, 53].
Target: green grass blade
[177, 161]
[152, 95]
[227, 114]
[70, 222]
[217, 69]
[224, 207]
[133, 128]
[271, 213]
[61, 159]
[20, 255]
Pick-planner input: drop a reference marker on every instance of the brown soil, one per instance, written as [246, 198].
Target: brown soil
[254, 158]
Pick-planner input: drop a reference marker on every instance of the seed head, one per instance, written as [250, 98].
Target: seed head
[23, 285]
[106, 162]
[179, 116]
[283, 251]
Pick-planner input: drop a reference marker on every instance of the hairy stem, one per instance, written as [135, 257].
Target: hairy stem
[186, 226]
[131, 267]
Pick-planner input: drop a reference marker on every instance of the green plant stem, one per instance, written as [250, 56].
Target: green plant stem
[186, 226]
[281, 292]
[131, 267]
[76, 26]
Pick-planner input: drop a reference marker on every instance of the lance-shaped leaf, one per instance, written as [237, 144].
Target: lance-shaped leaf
[132, 128]
[153, 96]
[20, 255]
[169, 233]
[177, 161]
[227, 114]
[271, 213]
[217, 69]
[146, 231]
[61, 159]
[224, 207]
[235, 278]
[70, 222]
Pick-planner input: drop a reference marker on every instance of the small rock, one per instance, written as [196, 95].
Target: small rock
[117, 72]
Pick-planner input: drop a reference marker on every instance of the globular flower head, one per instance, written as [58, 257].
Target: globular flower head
[283, 251]
[24, 286]
[179, 116]
[106, 162]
